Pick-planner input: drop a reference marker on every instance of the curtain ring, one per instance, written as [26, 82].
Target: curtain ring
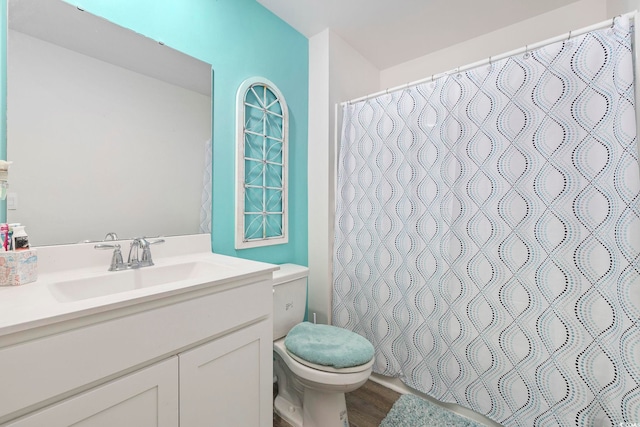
[569, 38]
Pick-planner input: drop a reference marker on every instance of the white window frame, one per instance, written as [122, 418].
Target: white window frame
[241, 240]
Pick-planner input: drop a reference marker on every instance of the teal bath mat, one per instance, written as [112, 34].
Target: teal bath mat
[412, 411]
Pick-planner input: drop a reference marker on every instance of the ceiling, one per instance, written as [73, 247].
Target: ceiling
[390, 32]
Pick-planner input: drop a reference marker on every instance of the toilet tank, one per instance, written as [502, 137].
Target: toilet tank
[289, 298]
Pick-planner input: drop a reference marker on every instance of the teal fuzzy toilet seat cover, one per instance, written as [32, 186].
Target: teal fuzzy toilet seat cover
[328, 345]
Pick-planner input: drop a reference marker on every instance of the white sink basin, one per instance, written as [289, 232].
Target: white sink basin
[128, 280]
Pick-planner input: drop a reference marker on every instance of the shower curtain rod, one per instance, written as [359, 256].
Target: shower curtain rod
[566, 36]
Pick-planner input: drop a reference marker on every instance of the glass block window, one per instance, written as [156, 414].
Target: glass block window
[261, 184]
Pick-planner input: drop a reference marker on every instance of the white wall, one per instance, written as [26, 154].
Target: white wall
[562, 20]
[618, 7]
[318, 172]
[98, 148]
[337, 72]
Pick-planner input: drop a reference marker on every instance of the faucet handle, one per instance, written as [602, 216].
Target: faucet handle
[146, 259]
[106, 246]
[117, 263]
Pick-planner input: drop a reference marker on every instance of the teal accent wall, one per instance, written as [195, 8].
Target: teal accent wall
[241, 39]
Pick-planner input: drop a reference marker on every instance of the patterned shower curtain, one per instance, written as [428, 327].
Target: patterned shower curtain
[488, 234]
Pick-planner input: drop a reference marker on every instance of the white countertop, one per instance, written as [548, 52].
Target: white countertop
[35, 304]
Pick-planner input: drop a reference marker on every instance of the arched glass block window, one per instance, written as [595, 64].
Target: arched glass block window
[262, 126]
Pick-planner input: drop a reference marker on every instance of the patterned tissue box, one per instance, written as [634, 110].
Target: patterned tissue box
[18, 268]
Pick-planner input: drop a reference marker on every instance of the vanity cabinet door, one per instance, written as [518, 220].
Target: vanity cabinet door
[145, 398]
[229, 381]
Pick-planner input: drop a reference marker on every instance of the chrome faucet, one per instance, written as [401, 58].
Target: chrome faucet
[135, 260]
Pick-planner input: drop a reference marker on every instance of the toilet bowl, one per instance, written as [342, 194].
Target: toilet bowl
[309, 394]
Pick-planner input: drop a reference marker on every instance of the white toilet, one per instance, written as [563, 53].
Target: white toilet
[309, 394]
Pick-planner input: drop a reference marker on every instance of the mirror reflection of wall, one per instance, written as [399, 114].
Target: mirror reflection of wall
[99, 142]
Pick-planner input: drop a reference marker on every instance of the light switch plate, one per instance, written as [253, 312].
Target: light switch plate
[12, 201]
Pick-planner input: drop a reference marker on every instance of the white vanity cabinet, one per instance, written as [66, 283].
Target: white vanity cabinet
[195, 357]
[146, 398]
[221, 382]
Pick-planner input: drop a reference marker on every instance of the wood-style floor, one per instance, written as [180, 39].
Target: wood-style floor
[367, 406]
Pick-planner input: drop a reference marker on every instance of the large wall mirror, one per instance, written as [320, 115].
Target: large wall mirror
[108, 130]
